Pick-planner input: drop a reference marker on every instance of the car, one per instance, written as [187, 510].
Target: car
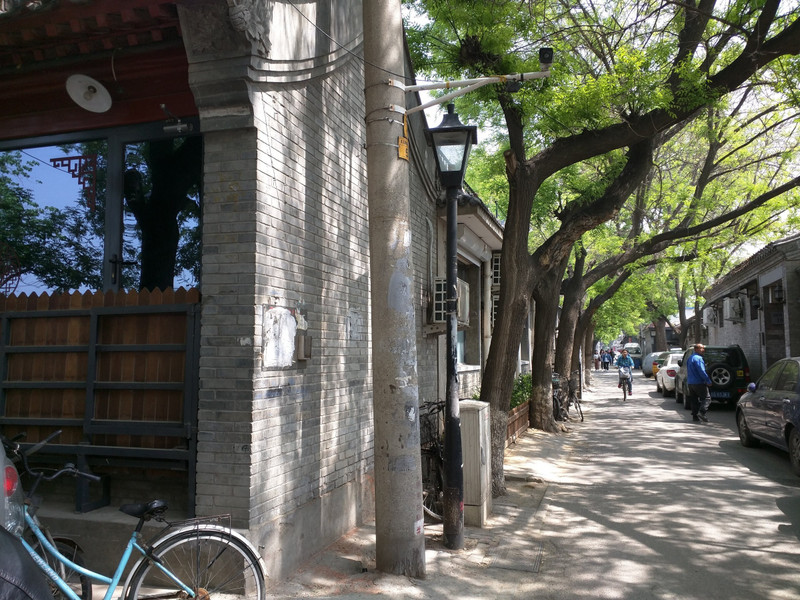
[728, 369]
[635, 352]
[648, 363]
[770, 410]
[665, 377]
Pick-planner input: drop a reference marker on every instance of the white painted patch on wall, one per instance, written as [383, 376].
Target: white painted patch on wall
[280, 328]
[355, 325]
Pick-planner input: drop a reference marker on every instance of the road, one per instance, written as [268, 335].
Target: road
[652, 505]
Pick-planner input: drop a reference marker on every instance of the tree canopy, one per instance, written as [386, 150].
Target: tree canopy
[627, 78]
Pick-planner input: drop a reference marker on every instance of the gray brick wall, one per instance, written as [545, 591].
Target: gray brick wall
[285, 225]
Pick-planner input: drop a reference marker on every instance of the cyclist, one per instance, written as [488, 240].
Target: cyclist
[625, 366]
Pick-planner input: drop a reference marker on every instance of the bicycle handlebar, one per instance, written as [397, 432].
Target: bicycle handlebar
[68, 469]
[39, 445]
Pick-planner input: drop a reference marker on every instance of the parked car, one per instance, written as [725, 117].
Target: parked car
[770, 410]
[665, 377]
[729, 372]
[649, 362]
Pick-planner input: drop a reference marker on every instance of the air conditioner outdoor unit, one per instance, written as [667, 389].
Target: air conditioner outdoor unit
[709, 315]
[439, 312]
[732, 309]
[462, 311]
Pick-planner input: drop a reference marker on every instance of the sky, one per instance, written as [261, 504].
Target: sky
[51, 186]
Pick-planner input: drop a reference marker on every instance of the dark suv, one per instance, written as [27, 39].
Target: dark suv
[726, 366]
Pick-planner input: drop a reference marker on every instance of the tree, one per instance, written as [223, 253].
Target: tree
[58, 247]
[157, 192]
[630, 72]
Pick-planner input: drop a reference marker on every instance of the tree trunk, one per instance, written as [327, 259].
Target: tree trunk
[546, 298]
[588, 353]
[566, 359]
[400, 539]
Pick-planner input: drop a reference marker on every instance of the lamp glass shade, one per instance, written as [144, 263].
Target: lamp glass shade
[452, 141]
[451, 149]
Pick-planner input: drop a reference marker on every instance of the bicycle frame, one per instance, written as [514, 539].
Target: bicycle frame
[112, 582]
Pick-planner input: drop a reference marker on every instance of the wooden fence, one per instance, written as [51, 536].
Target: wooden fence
[115, 372]
[517, 422]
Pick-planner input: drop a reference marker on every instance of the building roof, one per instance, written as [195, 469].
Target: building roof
[772, 250]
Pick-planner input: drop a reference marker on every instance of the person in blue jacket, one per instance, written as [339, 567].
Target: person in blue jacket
[698, 382]
[625, 362]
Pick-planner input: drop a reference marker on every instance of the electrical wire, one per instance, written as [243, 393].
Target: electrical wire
[341, 47]
[41, 162]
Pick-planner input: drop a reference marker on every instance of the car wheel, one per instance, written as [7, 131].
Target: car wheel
[721, 375]
[747, 439]
[658, 386]
[794, 450]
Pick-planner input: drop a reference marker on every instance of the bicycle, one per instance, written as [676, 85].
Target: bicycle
[432, 450]
[560, 411]
[625, 382]
[573, 399]
[199, 558]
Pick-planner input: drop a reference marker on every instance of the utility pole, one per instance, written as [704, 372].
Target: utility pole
[399, 521]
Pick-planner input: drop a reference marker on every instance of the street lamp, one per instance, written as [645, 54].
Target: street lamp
[452, 141]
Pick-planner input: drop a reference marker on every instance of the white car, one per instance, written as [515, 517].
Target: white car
[665, 378]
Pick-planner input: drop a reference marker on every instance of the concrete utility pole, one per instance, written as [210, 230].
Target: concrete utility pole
[400, 538]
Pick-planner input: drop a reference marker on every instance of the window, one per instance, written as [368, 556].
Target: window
[769, 378]
[787, 381]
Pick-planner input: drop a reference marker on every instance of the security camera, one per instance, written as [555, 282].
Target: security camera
[545, 58]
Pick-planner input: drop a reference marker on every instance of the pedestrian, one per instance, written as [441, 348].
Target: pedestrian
[606, 359]
[699, 383]
[596, 361]
[625, 366]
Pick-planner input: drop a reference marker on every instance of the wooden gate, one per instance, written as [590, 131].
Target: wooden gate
[115, 372]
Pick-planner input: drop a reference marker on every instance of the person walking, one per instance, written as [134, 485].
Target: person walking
[625, 366]
[596, 358]
[606, 358]
[699, 382]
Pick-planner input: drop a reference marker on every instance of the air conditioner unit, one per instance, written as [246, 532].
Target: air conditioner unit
[732, 309]
[439, 312]
[709, 315]
[462, 311]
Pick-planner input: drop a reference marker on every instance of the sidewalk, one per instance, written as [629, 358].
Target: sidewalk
[496, 561]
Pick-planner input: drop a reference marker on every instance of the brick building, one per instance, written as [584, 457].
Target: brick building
[283, 430]
[756, 306]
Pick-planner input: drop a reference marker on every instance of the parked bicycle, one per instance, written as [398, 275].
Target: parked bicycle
[560, 410]
[432, 448]
[573, 398]
[201, 558]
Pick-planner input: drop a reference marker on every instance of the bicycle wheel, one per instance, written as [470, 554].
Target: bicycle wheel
[80, 584]
[578, 408]
[433, 486]
[624, 391]
[213, 562]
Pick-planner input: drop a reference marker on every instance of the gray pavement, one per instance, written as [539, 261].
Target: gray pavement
[636, 502]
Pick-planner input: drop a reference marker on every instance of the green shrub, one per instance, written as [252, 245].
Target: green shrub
[523, 387]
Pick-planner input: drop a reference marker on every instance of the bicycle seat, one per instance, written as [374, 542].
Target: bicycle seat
[145, 510]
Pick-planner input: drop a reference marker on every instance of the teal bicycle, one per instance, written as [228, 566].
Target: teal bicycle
[201, 558]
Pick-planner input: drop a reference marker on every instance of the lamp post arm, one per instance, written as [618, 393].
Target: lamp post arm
[467, 85]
